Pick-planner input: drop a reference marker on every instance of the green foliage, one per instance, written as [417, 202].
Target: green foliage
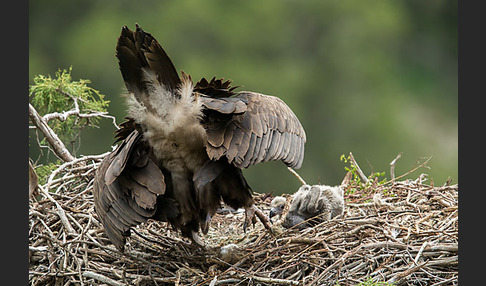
[50, 95]
[44, 171]
[356, 178]
[357, 185]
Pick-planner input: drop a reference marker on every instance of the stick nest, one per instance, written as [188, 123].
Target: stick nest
[402, 232]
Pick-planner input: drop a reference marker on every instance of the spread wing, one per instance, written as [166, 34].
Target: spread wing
[249, 128]
[126, 189]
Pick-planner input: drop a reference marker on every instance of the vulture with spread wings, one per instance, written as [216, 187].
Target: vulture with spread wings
[183, 146]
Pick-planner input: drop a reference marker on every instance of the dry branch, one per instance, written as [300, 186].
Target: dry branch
[411, 239]
[358, 169]
[408, 237]
[392, 166]
[58, 146]
[297, 175]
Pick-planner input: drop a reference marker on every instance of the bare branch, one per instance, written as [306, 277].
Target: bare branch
[392, 165]
[297, 175]
[424, 164]
[358, 169]
[60, 211]
[102, 278]
[58, 146]
[71, 163]
[76, 111]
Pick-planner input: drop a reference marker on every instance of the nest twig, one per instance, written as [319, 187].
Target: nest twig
[407, 235]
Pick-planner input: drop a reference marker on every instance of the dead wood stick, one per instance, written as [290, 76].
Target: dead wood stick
[297, 239]
[427, 217]
[76, 111]
[271, 280]
[373, 221]
[59, 148]
[59, 169]
[59, 274]
[358, 169]
[386, 244]
[297, 175]
[60, 211]
[338, 262]
[453, 260]
[419, 253]
[392, 165]
[453, 247]
[411, 171]
[140, 278]
[102, 278]
[231, 281]
[445, 282]
[398, 279]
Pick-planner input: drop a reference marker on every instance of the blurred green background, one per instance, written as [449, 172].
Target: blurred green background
[375, 78]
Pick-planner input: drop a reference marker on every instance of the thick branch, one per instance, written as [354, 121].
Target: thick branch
[59, 147]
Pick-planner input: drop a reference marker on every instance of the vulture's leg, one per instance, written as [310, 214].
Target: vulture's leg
[249, 217]
[250, 213]
[196, 239]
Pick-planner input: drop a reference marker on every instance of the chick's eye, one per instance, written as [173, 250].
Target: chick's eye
[281, 207]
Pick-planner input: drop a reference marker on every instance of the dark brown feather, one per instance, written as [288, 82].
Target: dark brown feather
[138, 49]
[135, 182]
[126, 128]
[266, 130]
[215, 87]
[120, 157]
[126, 188]
[150, 177]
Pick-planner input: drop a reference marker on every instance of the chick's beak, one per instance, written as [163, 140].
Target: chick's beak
[272, 213]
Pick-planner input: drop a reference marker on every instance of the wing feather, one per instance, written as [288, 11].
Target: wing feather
[234, 146]
[120, 157]
[249, 154]
[272, 145]
[137, 50]
[126, 188]
[265, 130]
[258, 151]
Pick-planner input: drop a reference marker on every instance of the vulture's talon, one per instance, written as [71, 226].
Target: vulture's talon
[250, 216]
[196, 240]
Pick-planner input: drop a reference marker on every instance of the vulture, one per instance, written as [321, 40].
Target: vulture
[310, 206]
[183, 146]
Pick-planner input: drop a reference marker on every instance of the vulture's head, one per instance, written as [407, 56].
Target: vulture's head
[277, 206]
